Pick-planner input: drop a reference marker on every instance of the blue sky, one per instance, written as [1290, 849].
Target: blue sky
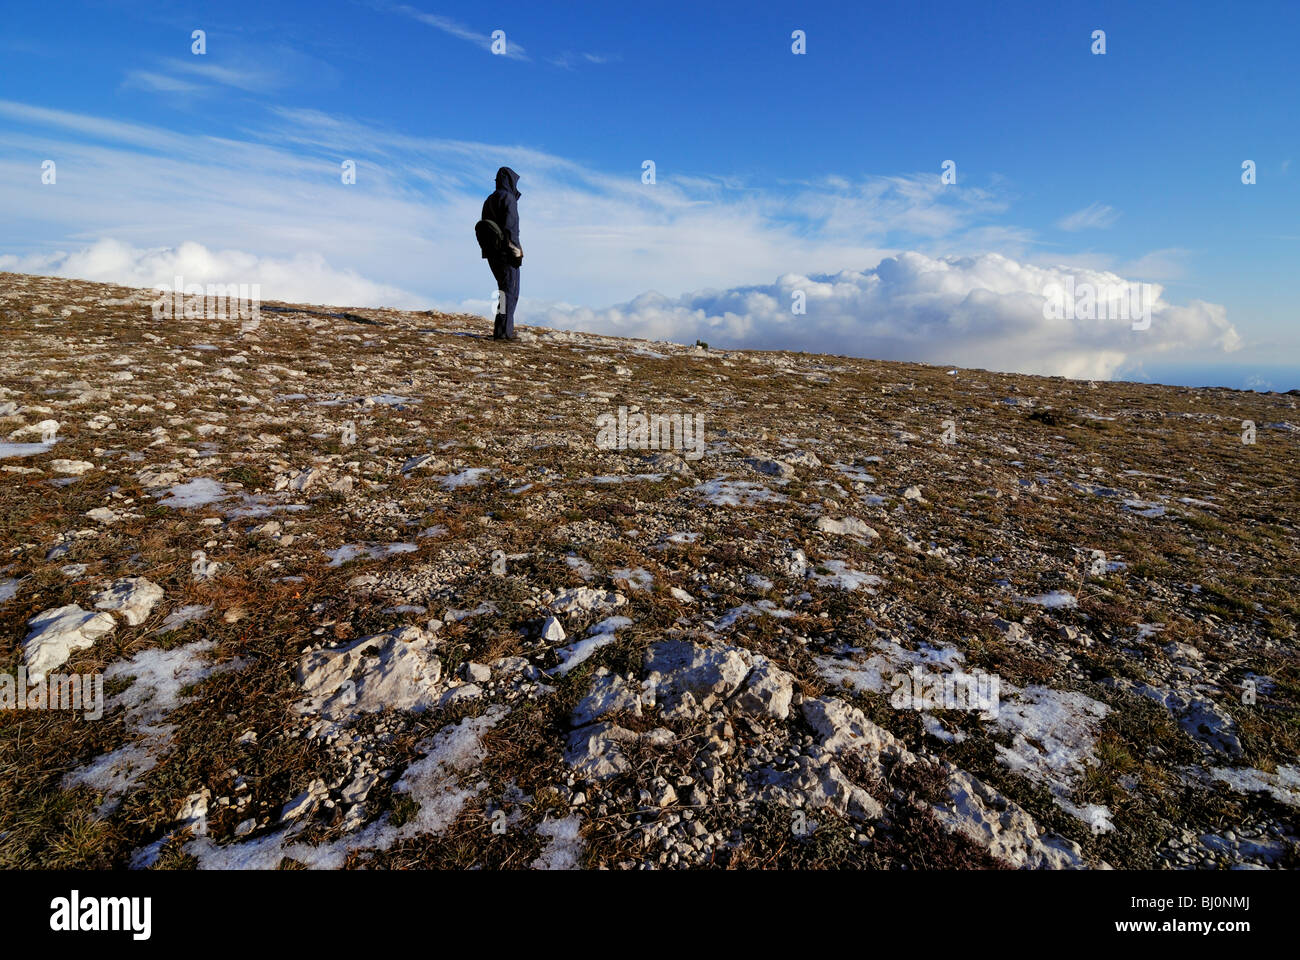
[774, 172]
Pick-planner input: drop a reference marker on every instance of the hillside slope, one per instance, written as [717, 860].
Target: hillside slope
[471, 636]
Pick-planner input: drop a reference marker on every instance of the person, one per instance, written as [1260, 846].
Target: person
[502, 208]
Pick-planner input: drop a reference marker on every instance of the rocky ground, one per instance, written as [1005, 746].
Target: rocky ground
[363, 590]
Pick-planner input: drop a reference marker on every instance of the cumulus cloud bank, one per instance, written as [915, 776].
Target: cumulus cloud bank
[982, 311]
[979, 311]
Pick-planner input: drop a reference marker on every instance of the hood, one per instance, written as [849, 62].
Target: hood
[507, 179]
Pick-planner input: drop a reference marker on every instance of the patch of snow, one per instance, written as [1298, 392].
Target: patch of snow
[1052, 600]
[845, 577]
[1283, 786]
[469, 477]
[627, 478]
[580, 566]
[454, 616]
[183, 615]
[1052, 734]
[375, 551]
[736, 493]
[196, 493]
[757, 609]
[158, 678]
[433, 782]
[638, 578]
[564, 852]
[13, 451]
[604, 632]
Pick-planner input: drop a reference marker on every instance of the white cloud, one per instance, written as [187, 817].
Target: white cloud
[1162, 265]
[591, 236]
[461, 32]
[984, 311]
[1095, 216]
[158, 82]
[567, 59]
[269, 208]
[253, 68]
[305, 278]
[252, 78]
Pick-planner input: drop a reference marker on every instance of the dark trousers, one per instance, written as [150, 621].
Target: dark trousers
[507, 278]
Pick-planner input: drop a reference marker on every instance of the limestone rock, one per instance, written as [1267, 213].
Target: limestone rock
[818, 785]
[134, 598]
[1001, 826]
[587, 599]
[843, 727]
[395, 670]
[596, 751]
[849, 526]
[56, 633]
[679, 669]
[609, 693]
[767, 690]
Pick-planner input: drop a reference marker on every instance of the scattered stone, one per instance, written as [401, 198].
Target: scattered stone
[587, 599]
[134, 598]
[476, 672]
[73, 468]
[306, 802]
[849, 526]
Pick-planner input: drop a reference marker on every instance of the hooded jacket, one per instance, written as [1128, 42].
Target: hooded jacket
[502, 206]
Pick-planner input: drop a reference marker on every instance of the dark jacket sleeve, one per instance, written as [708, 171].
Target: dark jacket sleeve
[511, 225]
[502, 210]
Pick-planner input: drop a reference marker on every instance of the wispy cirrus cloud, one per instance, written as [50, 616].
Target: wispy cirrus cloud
[568, 60]
[249, 77]
[154, 82]
[456, 29]
[1095, 216]
[255, 70]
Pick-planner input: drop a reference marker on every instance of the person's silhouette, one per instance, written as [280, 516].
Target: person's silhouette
[501, 208]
